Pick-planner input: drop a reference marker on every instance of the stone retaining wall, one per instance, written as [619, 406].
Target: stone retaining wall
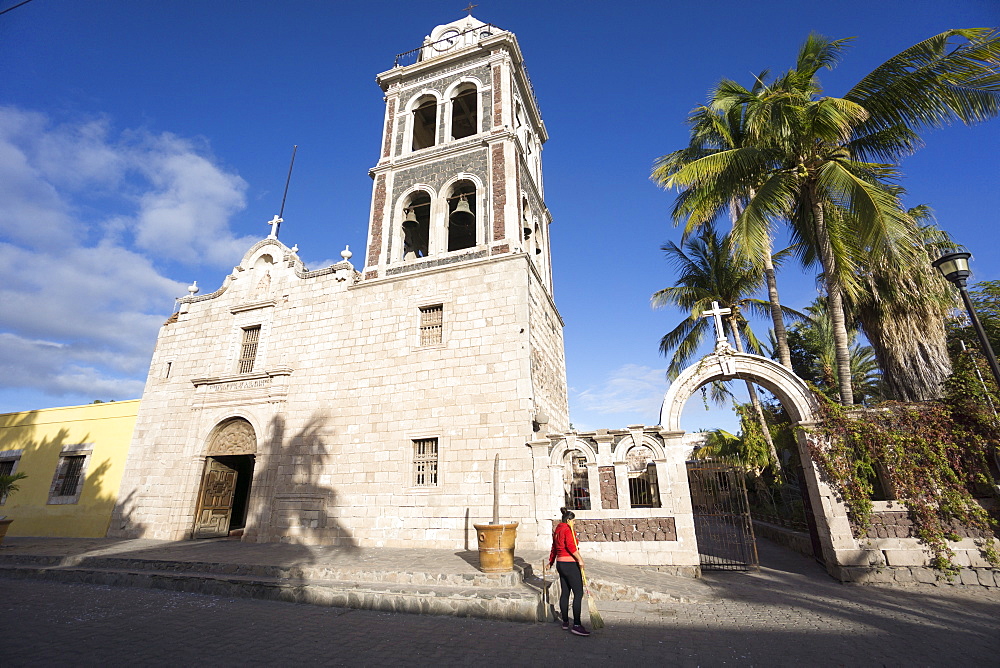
[897, 524]
[633, 529]
[981, 577]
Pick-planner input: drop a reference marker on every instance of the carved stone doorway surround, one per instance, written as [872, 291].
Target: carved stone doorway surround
[225, 487]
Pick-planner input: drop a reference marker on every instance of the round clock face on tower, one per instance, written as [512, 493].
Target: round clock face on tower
[448, 39]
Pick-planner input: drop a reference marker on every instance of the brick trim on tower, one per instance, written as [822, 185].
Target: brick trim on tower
[375, 247]
[387, 142]
[497, 98]
[499, 191]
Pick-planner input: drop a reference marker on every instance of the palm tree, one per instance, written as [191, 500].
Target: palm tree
[710, 272]
[721, 126]
[814, 356]
[902, 311]
[824, 164]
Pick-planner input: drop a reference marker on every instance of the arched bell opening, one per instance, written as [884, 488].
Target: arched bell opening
[416, 225]
[462, 216]
[424, 123]
[464, 112]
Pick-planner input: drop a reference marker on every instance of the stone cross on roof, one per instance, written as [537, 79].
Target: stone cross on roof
[275, 223]
[721, 340]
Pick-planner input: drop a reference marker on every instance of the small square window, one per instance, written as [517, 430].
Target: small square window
[248, 350]
[425, 462]
[431, 325]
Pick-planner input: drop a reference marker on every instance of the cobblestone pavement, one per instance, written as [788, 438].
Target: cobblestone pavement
[790, 613]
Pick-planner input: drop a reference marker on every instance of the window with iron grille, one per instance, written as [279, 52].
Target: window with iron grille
[425, 462]
[68, 480]
[640, 492]
[248, 351]
[431, 324]
[6, 468]
[642, 484]
[576, 480]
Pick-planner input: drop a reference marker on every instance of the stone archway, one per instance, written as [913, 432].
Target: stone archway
[790, 390]
[837, 543]
[224, 493]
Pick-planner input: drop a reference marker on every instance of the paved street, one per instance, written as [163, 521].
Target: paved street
[789, 614]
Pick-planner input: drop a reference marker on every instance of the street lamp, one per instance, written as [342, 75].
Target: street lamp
[954, 267]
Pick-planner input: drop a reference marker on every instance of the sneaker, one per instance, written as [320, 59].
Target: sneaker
[579, 631]
[565, 626]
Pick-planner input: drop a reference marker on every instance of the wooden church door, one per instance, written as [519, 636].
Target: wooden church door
[215, 507]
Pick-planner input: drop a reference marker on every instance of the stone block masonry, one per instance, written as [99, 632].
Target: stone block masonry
[609, 488]
[334, 462]
[631, 529]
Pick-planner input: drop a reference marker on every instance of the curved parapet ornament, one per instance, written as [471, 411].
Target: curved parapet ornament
[728, 364]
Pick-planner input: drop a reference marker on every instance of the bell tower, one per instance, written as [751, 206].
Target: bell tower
[459, 176]
[365, 408]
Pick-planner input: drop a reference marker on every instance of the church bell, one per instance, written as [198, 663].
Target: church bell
[410, 222]
[462, 215]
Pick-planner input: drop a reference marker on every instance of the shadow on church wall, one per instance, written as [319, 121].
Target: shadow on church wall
[288, 504]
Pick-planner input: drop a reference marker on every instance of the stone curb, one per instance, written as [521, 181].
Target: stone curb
[616, 591]
[485, 580]
[521, 604]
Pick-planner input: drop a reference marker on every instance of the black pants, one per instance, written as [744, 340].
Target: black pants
[570, 577]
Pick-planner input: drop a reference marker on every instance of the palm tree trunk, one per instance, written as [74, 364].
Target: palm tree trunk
[754, 400]
[912, 351]
[777, 319]
[835, 303]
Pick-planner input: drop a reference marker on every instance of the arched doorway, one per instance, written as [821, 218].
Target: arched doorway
[826, 517]
[224, 494]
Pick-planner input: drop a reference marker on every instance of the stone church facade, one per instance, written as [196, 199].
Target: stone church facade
[365, 407]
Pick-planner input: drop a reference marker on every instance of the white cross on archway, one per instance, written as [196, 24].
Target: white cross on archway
[720, 334]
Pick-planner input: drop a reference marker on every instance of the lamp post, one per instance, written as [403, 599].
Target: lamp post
[955, 268]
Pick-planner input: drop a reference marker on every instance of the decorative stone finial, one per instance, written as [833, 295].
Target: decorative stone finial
[295, 248]
[346, 253]
[193, 288]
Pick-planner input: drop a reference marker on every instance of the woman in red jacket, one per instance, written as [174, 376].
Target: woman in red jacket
[569, 564]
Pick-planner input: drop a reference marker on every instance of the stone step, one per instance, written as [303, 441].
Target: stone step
[520, 604]
[299, 572]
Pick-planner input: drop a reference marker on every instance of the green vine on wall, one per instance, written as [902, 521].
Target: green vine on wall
[932, 456]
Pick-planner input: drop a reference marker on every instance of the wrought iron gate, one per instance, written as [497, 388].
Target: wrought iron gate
[721, 517]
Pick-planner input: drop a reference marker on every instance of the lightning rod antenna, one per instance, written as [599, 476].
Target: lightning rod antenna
[295, 148]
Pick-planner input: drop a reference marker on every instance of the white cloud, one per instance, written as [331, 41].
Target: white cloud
[186, 213]
[632, 394]
[90, 223]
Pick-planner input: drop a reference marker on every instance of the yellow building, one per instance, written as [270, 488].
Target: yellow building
[74, 458]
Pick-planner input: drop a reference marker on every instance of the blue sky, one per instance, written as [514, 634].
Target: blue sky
[143, 145]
